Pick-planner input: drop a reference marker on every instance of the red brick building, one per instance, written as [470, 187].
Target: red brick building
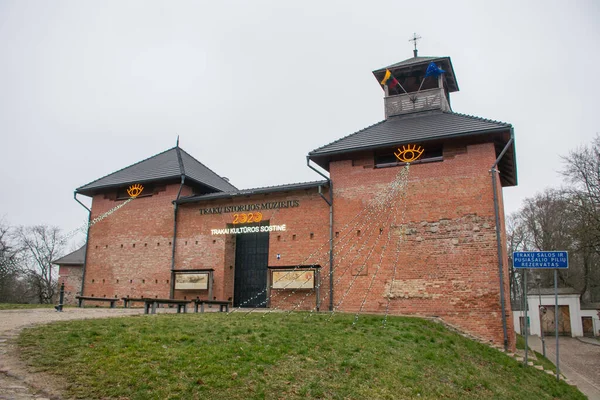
[376, 234]
[70, 272]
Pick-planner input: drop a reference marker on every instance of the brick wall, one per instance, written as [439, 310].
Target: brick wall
[305, 242]
[429, 249]
[129, 252]
[442, 236]
[70, 275]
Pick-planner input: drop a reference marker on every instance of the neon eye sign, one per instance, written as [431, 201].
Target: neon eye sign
[135, 190]
[409, 154]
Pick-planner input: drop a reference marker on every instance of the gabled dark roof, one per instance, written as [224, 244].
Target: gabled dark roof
[170, 164]
[75, 258]
[197, 171]
[249, 192]
[406, 128]
[418, 128]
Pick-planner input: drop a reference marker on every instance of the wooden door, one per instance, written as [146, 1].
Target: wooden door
[588, 326]
[564, 321]
[548, 320]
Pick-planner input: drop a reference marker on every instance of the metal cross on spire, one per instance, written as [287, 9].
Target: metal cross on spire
[414, 39]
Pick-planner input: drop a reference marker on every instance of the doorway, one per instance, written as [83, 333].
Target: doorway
[251, 260]
[548, 320]
[588, 326]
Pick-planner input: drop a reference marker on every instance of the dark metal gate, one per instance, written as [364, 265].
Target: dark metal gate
[251, 260]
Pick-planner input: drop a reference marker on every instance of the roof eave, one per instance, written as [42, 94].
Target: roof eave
[252, 192]
[68, 263]
[425, 60]
[514, 177]
[322, 159]
[379, 146]
[87, 191]
[91, 191]
[455, 88]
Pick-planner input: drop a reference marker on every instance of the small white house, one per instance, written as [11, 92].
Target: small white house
[574, 318]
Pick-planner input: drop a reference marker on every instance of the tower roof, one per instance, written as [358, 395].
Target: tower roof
[422, 127]
[168, 165]
[418, 66]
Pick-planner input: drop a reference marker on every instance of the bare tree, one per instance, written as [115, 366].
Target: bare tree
[41, 245]
[517, 238]
[582, 171]
[9, 267]
[548, 220]
[565, 219]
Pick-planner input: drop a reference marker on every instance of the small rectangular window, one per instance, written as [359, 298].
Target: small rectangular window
[387, 158]
[147, 191]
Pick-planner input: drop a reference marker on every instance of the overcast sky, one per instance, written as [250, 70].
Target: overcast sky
[90, 87]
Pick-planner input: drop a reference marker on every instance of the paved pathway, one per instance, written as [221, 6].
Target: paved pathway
[16, 383]
[579, 361]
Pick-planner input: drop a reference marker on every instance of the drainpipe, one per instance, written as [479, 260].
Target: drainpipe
[330, 203]
[494, 171]
[87, 241]
[176, 206]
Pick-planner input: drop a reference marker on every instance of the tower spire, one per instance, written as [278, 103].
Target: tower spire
[414, 39]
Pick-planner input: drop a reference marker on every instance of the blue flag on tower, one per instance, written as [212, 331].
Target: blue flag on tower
[433, 70]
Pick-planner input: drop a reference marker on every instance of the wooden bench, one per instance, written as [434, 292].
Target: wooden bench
[223, 304]
[153, 304]
[88, 298]
[128, 300]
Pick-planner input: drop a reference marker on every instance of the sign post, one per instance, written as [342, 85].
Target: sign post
[526, 318]
[556, 316]
[543, 260]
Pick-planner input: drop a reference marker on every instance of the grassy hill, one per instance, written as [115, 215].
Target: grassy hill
[219, 356]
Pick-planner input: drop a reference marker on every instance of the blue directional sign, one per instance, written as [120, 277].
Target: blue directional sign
[541, 259]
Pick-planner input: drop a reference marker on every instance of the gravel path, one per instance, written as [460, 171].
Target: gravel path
[579, 361]
[16, 383]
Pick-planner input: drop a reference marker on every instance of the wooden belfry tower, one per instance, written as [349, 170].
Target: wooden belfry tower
[409, 89]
